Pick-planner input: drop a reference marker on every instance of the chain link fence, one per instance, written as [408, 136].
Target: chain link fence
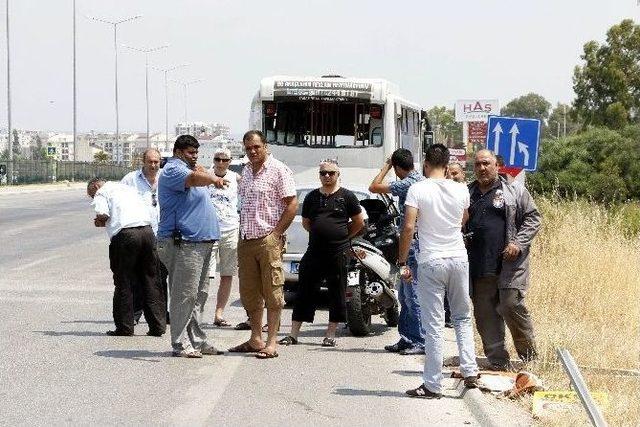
[42, 171]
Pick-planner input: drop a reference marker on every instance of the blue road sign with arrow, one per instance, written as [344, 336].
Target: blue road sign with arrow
[516, 140]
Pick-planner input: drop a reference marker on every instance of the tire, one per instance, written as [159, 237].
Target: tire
[358, 318]
[391, 316]
[289, 291]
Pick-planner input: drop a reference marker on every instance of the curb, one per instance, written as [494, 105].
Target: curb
[28, 189]
[493, 415]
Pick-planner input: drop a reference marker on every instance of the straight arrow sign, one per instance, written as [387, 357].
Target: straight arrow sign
[514, 135]
[497, 130]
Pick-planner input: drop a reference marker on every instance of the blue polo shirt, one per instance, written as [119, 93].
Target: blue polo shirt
[188, 210]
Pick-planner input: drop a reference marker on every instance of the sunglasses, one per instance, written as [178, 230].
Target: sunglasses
[154, 200]
[218, 159]
[325, 173]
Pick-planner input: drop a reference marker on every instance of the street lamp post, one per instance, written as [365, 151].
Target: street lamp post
[185, 94]
[146, 52]
[9, 139]
[165, 71]
[115, 50]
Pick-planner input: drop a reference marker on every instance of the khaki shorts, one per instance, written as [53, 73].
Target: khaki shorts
[260, 273]
[225, 254]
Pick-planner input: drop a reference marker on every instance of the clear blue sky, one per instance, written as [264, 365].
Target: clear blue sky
[436, 52]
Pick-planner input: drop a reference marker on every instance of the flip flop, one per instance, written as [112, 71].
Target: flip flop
[221, 323]
[266, 355]
[245, 347]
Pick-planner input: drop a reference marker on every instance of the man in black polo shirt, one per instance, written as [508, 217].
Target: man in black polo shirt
[332, 215]
[504, 220]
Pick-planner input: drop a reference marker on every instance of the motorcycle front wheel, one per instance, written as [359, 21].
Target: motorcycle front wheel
[358, 317]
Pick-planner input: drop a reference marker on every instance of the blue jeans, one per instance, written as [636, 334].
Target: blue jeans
[435, 277]
[409, 321]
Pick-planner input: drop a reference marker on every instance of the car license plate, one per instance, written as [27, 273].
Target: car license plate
[293, 267]
[353, 278]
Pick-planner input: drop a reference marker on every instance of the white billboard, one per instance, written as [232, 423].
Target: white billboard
[476, 110]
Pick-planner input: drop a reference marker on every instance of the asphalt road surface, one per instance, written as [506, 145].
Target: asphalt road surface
[57, 366]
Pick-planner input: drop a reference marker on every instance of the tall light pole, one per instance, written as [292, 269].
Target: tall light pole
[146, 52]
[166, 100]
[9, 136]
[185, 94]
[115, 50]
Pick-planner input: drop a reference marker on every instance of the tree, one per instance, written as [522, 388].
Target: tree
[599, 163]
[531, 105]
[38, 152]
[556, 122]
[101, 157]
[444, 125]
[16, 144]
[607, 84]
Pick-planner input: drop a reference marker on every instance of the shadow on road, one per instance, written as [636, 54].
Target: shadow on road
[406, 373]
[352, 350]
[71, 333]
[378, 393]
[140, 355]
[95, 322]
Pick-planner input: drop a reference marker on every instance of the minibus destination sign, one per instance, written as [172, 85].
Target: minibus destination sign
[321, 90]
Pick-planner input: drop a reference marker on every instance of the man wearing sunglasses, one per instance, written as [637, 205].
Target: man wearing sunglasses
[225, 201]
[332, 215]
[145, 181]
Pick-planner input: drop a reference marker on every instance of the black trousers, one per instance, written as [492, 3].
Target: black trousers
[314, 269]
[133, 261]
[138, 297]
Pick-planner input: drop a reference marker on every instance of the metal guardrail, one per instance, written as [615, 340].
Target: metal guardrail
[44, 171]
[577, 381]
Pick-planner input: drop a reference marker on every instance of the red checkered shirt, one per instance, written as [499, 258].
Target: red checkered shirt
[261, 195]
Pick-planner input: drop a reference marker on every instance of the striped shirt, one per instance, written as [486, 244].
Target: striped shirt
[262, 197]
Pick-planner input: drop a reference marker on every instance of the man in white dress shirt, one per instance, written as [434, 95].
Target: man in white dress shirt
[145, 181]
[132, 255]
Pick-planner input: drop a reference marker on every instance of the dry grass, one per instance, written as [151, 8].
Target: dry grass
[585, 297]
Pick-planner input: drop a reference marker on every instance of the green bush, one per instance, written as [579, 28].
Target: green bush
[599, 163]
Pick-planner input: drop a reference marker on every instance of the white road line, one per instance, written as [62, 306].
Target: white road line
[37, 262]
[201, 399]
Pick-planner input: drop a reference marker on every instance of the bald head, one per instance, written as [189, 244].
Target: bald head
[150, 162]
[486, 153]
[485, 167]
[455, 172]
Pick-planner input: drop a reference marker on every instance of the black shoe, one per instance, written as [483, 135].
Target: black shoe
[155, 333]
[118, 333]
[423, 393]
[471, 381]
[397, 347]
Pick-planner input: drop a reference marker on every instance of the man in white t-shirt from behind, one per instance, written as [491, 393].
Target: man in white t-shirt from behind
[440, 207]
[225, 201]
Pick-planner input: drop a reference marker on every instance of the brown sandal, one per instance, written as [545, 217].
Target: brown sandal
[245, 347]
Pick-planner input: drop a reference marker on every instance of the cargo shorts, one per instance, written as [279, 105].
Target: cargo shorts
[260, 273]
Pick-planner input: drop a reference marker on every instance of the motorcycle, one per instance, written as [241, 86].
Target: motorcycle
[372, 273]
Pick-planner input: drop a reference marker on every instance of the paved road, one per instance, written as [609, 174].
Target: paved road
[58, 367]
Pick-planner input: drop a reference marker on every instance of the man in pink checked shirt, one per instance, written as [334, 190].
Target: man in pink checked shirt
[269, 203]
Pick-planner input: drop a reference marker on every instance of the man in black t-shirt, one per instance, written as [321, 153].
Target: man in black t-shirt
[332, 215]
